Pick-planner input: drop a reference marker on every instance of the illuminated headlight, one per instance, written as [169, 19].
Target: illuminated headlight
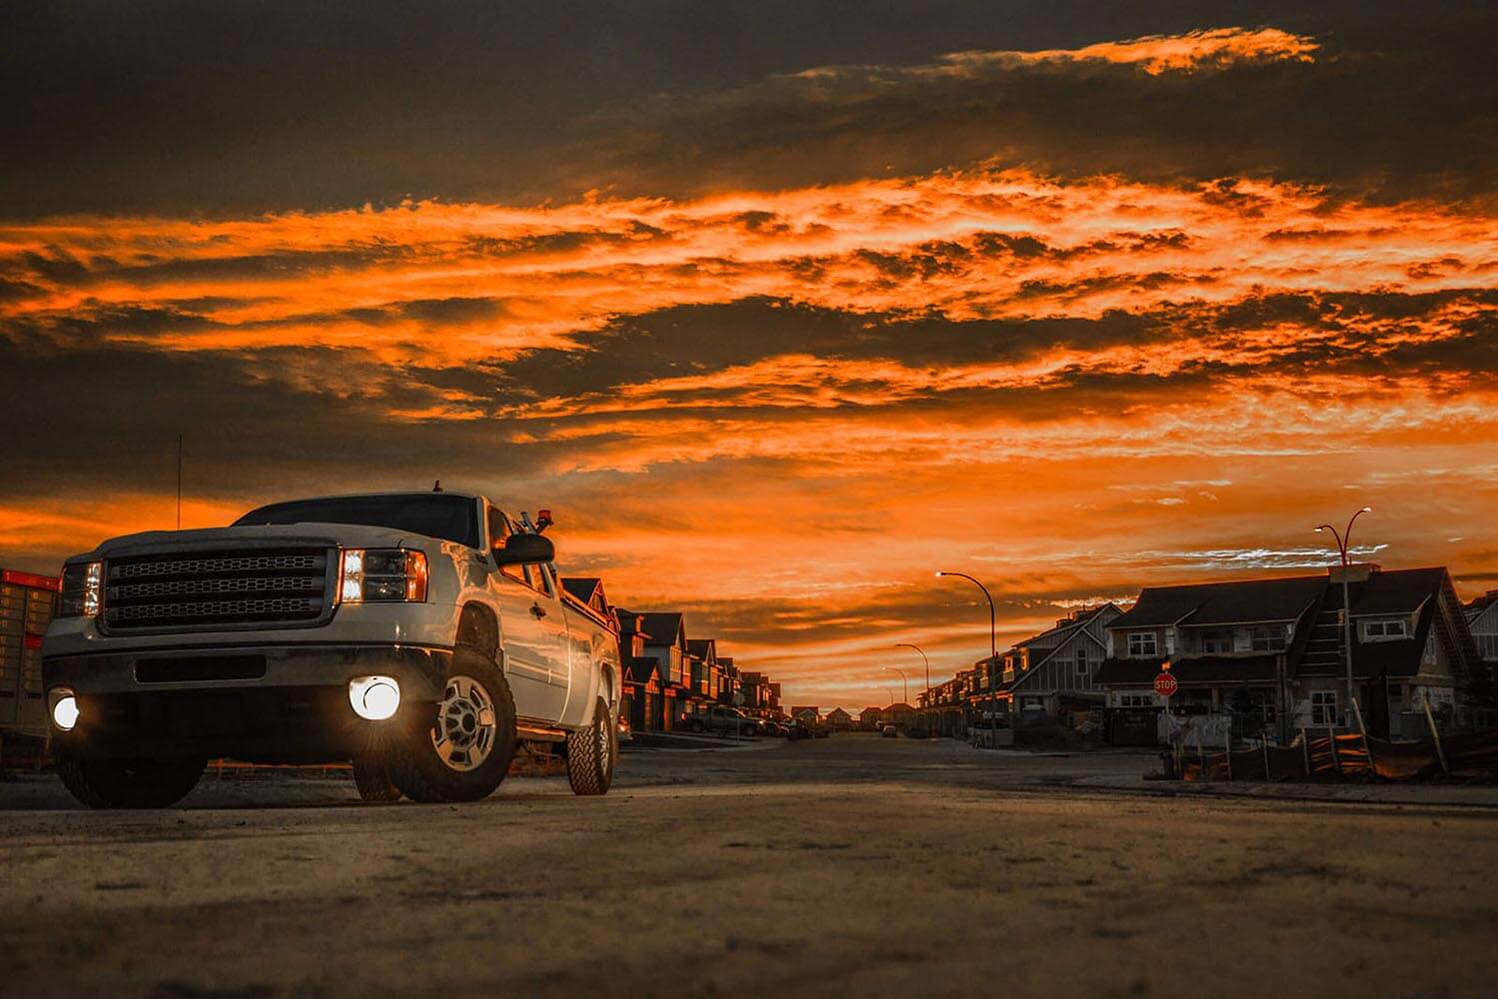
[369, 575]
[82, 589]
[374, 697]
[62, 707]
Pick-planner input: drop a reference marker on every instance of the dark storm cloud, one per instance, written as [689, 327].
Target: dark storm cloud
[190, 108]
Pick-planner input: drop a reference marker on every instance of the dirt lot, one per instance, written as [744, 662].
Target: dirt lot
[850, 866]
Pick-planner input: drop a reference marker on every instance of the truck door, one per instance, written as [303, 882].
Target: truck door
[531, 628]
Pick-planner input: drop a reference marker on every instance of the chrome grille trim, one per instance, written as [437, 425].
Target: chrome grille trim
[252, 587]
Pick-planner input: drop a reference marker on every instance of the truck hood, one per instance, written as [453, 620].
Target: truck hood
[345, 535]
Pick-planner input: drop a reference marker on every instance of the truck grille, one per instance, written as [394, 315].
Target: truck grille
[219, 589]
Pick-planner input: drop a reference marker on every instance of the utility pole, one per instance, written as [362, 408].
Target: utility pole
[1344, 544]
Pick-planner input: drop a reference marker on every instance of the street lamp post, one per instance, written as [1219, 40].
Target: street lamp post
[926, 716]
[1344, 544]
[993, 642]
[905, 680]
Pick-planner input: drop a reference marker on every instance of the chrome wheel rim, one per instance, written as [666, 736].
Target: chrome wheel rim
[466, 729]
[605, 742]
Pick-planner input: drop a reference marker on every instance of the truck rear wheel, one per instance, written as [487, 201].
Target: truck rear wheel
[465, 752]
[100, 782]
[592, 753]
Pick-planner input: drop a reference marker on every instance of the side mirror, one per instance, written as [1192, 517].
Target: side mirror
[525, 549]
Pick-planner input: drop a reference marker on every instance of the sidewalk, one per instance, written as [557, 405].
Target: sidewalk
[1427, 795]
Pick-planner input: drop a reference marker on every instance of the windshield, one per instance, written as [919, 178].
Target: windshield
[451, 518]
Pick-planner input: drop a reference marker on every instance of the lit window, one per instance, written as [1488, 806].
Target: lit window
[1142, 643]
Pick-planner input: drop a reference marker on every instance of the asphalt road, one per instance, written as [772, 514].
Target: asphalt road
[850, 866]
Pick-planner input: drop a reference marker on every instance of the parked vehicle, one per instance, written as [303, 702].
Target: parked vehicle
[420, 635]
[770, 726]
[821, 730]
[721, 720]
[797, 730]
[890, 732]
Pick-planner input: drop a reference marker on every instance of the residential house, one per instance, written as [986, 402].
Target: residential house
[1056, 670]
[1482, 619]
[840, 720]
[706, 672]
[666, 644]
[869, 719]
[728, 688]
[807, 714]
[1272, 651]
[898, 714]
[642, 696]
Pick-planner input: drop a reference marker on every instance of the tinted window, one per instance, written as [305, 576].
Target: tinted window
[433, 515]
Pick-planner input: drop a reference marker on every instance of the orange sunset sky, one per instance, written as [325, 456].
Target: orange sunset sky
[779, 308]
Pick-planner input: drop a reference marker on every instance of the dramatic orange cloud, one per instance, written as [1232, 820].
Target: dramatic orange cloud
[781, 406]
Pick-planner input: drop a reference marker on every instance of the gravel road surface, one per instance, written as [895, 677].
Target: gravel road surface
[849, 866]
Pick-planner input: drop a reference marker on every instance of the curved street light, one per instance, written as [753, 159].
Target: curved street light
[908, 645]
[993, 642]
[1344, 546]
[903, 679]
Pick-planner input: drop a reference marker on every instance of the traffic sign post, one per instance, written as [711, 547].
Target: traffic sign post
[1165, 685]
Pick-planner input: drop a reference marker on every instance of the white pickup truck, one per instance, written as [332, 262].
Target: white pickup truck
[423, 636]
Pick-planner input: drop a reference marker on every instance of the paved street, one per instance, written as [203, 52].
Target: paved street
[854, 865]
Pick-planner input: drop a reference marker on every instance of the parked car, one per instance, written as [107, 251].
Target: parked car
[770, 726]
[821, 730]
[797, 730]
[721, 720]
[890, 732]
[420, 635]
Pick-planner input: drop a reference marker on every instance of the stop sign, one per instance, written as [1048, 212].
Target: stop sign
[1165, 685]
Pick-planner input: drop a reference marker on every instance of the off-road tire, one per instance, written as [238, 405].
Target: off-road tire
[593, 752]
[372, 778]
[100, 782]
[418, 769]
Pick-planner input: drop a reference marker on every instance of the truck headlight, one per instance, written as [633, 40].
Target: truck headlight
[368, 575]
[374, 697]
[82, 589]
[62, 708]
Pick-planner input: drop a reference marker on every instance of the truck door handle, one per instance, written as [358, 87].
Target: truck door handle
[537, 611]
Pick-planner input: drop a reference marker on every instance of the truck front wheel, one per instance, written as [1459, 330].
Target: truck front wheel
[592, 753]
[100, 782]
[465, 753]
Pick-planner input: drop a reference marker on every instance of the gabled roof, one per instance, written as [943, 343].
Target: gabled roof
[631, 623]
[582, 587]
[1235, 602]
[664, 627]
[640, 669]
[702, 646]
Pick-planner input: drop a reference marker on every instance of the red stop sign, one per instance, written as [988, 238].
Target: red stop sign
[1165, 685]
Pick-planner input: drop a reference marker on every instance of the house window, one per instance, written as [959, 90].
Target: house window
[1384, 629]
[1323, 707]
[1218, 641]
[1082, 665]
[1142, 643]
[1136, 700]
[1269, 638]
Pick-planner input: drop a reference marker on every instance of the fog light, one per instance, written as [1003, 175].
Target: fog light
[64, 708]
[374, 697]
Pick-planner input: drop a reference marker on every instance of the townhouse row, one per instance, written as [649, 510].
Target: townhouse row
[670, 678]
[1273, 655]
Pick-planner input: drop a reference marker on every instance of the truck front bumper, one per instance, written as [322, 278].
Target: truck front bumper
[274, 704]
